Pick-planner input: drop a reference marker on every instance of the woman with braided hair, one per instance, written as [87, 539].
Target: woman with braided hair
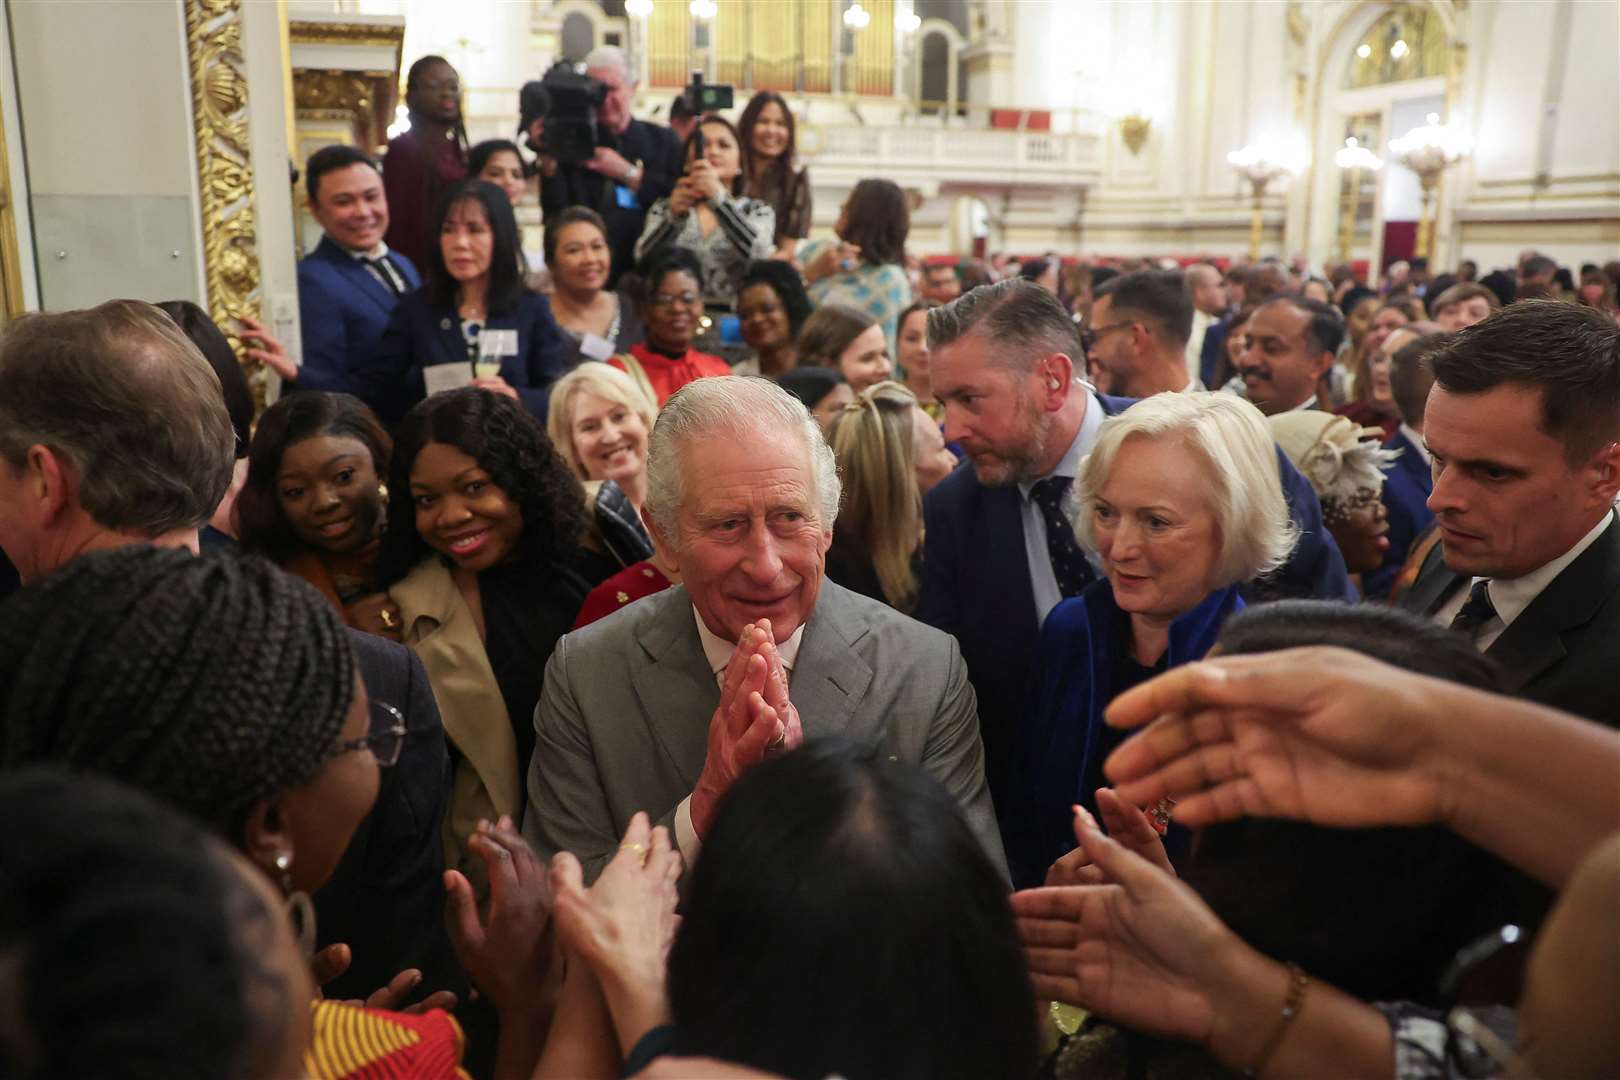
[482, 554]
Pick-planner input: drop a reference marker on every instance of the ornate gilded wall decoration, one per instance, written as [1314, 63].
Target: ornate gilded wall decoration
[224, 161]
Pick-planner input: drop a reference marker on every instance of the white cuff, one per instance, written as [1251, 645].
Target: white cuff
[686, 837]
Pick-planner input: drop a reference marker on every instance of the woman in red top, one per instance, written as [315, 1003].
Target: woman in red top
[671, 308]
[425, 162]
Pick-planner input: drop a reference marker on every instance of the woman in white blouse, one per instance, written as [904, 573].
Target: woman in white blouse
[707, 214]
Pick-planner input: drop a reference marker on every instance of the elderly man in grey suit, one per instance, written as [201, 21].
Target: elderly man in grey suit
[661, 706]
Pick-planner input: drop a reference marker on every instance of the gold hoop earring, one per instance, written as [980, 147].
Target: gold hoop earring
[300, 908]
[382, 492]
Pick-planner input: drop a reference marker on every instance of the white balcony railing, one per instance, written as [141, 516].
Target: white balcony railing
[963, 155]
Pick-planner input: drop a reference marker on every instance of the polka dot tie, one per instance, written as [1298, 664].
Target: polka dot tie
[1069, 563]
[1475, 612]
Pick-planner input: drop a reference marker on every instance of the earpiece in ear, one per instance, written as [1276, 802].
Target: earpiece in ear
[1053, 383]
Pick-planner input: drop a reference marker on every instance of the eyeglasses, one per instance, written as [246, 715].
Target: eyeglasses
[685, 299]
[386, 737]
[1487, 971]
[1088, 338]
[450, 87]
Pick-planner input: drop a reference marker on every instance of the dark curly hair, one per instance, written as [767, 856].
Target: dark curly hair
[509, 444]
[261, 525]
[91, 997]
[780, 275]
[213, 683]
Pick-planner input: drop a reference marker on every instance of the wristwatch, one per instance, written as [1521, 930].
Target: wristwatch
[632, 175]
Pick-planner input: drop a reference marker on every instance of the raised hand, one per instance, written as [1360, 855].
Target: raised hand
[1317, 734]
[269, 351]
[776, 695]
[742, 728]
[624, 924]
[1128, 826]
[705, 181]
[683, 197]
[1141, 950]
[507, 950]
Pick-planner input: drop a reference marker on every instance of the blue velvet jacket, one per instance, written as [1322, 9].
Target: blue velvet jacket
[1407, 484]
[1080, 642]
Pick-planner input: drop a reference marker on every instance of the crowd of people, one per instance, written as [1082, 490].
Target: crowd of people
[726, 653]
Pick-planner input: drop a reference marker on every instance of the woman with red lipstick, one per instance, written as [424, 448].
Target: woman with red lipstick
[313, 501]
[481, 554]
[672, 307]
[595, 322]
[1178, 505]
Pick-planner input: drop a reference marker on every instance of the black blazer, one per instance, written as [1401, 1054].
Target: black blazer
[1564, 649]
[976, 586]
[386, 899]
[419, 335]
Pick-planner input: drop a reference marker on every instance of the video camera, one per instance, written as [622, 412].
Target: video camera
[704, 98]
[572, 99]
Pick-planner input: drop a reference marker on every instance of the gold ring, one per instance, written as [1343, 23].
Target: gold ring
[388, 619]
[639, 849]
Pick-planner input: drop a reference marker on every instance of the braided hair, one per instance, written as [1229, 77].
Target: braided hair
[213, 683]
[128, 940]
[509, 444]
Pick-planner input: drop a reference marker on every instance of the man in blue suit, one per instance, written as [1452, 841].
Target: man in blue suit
[1408, 479]
[999, 553]
[348, 286]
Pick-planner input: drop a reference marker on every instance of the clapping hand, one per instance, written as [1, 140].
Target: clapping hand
[1141, 950]
[1317, 734]
[334, 960]
[1128, 826]
[507, 951]
[754, 717]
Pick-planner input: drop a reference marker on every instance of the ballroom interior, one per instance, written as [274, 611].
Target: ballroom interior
[158, 144]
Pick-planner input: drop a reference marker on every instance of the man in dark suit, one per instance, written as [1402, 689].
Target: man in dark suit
[1522, 425]
[999, 551]
[635, 164]
[348, 286]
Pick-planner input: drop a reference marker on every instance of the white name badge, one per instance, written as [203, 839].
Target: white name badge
[596, 348]
[442, 377]
[494, 344]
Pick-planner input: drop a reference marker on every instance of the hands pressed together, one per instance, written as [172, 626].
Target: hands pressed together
[754, 718]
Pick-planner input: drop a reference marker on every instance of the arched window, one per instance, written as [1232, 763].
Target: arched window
[936, 69]
[1407, 42]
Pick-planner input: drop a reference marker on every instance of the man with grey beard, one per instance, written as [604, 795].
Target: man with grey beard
[999, 549]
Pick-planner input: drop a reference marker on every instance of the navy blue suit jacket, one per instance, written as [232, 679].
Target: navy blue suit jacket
[1407, 484]
[342, 311]
[1079, 645]
[976, 586]
[420, 335]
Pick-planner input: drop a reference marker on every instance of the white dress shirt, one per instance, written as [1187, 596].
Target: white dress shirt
[1415, 437]
[719, 652]
[1510, 596]
[1195, 344]
[368, 259]
[1042, 577]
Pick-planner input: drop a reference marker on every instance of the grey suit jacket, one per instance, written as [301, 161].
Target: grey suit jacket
[623, 721]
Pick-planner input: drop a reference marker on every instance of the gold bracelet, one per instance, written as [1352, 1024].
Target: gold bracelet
[1298, 983]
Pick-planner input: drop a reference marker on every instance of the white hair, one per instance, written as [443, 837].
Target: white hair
[745, 408]
[609, 56]
[1245, 492]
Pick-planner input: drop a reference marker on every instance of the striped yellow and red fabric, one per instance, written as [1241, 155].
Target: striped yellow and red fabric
[354, 1043]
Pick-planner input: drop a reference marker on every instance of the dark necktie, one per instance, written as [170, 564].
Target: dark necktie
[1475, 612]
[384, 270]
[1069, 563]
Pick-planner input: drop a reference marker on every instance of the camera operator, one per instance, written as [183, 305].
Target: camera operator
[635, 163]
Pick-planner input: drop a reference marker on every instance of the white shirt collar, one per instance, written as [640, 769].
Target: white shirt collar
[719, 651]
[1194, 386]
[1084, 440]
[1510, 596]
[1305, 406]
[1415, 437]
[375, 253]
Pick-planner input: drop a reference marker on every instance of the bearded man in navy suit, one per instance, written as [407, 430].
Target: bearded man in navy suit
[1003, 365]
